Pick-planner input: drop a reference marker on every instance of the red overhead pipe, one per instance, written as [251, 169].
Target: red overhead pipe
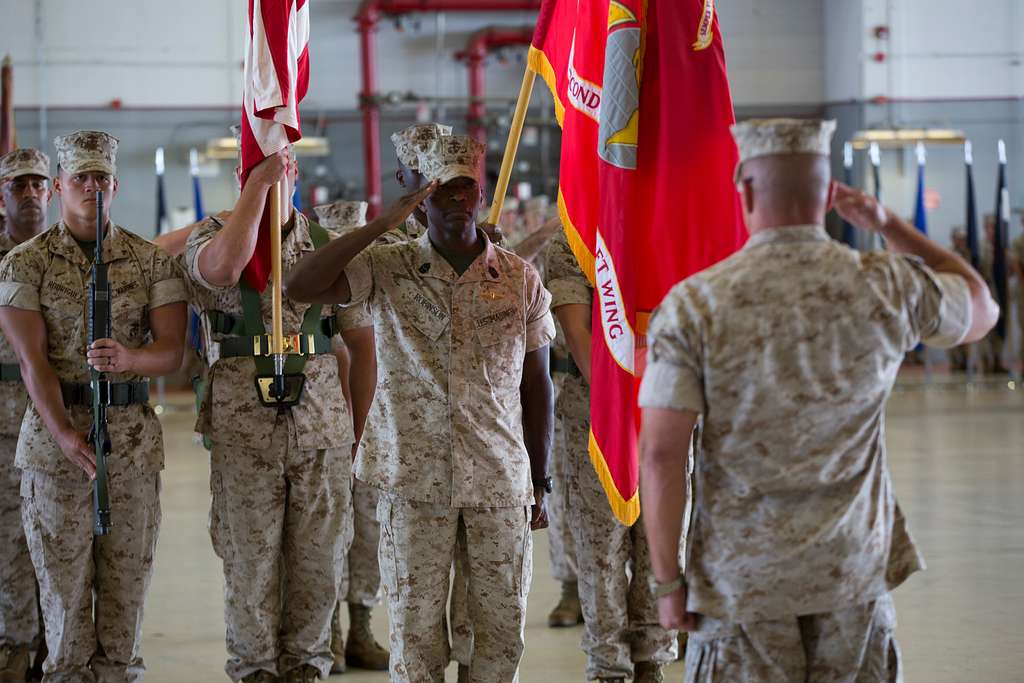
[367, 17]
[477, 48]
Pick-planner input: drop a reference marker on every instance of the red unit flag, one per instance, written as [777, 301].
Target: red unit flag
[276, 78]
[646, 193]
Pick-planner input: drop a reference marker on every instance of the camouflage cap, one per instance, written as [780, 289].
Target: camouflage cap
[87, 150]
[455, 156]
[24, 161]
[766, 137]
[415, 139]
[342, 215]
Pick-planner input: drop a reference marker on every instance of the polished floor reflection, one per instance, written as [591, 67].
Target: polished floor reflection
[958, 462]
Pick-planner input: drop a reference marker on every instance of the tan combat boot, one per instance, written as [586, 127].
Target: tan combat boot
[362, 651]
[14, 663]
[337, 643]
[648, 672]
[568, 611]
[307, 673]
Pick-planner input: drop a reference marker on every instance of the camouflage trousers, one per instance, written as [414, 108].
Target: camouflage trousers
[79, 573]
[855, 645]
[19, 612]
[363, 567]
[419, 542]
[620, 613]
[280, 520]
[561, 547]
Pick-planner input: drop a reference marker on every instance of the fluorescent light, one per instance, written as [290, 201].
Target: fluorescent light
[905, 137]
[227, 148]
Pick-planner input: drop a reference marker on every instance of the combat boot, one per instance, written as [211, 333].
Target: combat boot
[568, 611]
[14, 663]
[337, 643]
[362, 651]
[307, 673]
[648, 672]
[261, 677]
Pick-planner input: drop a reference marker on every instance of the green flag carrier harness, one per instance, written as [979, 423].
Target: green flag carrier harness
[249, 338]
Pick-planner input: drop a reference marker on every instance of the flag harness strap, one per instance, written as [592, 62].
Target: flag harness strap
[252, 340]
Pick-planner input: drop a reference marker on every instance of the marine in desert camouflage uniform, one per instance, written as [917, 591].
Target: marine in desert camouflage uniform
[789, 349]
[280, 477]
[92, 588]
[465, 408]
[355, 325]
[622, 636]
[24, 195]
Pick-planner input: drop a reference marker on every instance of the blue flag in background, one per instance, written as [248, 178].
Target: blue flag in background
[197, 188]
[296, 197]
[849, 237]
[920, 212]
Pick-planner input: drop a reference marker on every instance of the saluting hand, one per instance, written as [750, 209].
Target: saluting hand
[859, 208]
[107, 355]
[395, 215]
[77, 450]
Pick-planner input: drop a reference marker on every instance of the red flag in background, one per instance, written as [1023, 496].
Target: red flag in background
[646, 193]
[275, 81]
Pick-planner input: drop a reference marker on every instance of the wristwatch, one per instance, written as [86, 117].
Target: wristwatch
[661, 590]
[546, 483]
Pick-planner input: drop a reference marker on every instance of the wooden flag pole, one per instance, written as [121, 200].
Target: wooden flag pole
[276, 326]
[512, 146]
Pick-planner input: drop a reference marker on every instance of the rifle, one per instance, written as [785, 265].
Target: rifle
[99, 328]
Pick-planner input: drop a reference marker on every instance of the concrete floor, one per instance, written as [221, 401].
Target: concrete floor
[958, 462]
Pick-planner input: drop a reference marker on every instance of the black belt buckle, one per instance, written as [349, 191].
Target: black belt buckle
[293, 383]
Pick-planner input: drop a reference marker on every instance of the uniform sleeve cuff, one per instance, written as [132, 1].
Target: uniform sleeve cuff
[166, 292]
[955, 316]
[670, 386]
[360, 277]
[565, 291]
[18, 295]
[354, 317]
[540, 332]
[196, 274]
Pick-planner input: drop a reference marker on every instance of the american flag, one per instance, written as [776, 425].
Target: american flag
[275, 82]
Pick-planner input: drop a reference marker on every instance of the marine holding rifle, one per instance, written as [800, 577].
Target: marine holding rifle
[93, 587]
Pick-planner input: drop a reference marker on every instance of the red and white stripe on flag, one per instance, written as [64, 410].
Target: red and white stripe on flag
[276, 78]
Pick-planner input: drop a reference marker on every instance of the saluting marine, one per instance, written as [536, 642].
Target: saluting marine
[789, 349]
[92, 588]
[465, 413]
[24, 195]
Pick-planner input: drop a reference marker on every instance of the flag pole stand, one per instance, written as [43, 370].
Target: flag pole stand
[515, 132]
[276, 324]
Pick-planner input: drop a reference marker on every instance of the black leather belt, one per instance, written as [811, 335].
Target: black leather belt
[111, 393]
[566, 365]
[10, 372]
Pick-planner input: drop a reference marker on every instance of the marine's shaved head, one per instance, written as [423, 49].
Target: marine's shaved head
[785, 189]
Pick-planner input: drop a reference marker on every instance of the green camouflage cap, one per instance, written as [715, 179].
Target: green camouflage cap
[342, 215]
[415, 139]
[767, 137]
[24, 161]
[87, 150]
[455, 156]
